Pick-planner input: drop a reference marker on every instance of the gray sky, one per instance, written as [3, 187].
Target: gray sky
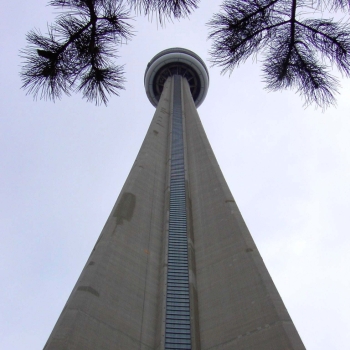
[63, 165]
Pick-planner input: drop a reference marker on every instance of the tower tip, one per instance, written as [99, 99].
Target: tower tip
[176, 61]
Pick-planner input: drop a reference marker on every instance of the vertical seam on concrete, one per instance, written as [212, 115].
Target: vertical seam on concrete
[256, 259]
[195, 333]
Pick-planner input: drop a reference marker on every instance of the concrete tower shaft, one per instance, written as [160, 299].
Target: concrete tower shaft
[175, 266]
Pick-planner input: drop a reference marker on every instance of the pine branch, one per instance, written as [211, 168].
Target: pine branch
[165, 9]
[342, 5]
[298, 68]
[331, 39]
[97, 83]
[293, 49]
[241, 31]
[77, 52]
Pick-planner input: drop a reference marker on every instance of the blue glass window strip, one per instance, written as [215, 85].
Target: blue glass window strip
[178, 325]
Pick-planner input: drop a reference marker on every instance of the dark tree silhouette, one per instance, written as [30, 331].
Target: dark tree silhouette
[298, 49]
[77, 52]
[294, 48]
[165, 9]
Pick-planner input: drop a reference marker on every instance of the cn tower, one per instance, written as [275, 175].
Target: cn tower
[175, 266]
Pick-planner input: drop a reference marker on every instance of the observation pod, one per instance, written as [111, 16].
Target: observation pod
[181, 62]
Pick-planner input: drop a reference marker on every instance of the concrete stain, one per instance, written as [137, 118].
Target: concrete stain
[89, 290]
[125, 208]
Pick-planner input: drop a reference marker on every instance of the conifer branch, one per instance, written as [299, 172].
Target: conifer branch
[165, 9]
[77, 52]
[294, 50]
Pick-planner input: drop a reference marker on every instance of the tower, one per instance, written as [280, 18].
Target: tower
[175, 266]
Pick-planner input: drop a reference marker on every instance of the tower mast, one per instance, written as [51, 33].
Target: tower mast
[175, 266]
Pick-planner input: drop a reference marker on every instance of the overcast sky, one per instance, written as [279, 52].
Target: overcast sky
[63, 165]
